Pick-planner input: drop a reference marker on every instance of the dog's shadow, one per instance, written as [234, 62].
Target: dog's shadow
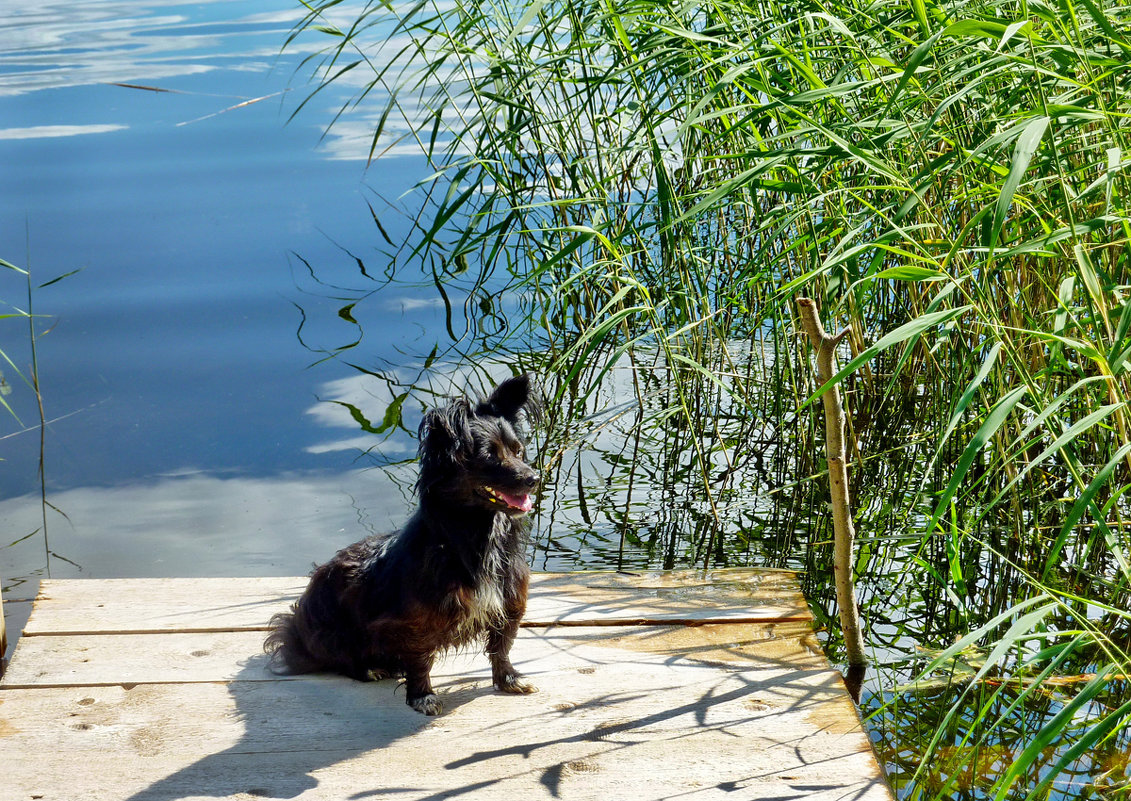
[293, 728]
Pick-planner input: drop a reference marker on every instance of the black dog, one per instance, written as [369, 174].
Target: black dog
[390, 604]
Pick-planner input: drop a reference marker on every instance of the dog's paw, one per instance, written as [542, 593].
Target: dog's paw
[427, 704]
[516, 686]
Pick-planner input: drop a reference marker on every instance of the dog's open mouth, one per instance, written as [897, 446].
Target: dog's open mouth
[519, 503]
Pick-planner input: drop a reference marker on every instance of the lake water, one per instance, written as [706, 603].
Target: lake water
[189, 432]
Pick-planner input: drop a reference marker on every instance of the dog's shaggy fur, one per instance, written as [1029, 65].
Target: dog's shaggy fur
[390, 604]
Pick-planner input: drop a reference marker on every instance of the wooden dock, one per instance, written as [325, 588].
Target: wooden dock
[684, 685]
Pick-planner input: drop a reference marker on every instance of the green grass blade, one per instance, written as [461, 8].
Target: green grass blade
[1027, 143]
[994, 420]
[989, 362]
[1052, 731]
[1082, 504]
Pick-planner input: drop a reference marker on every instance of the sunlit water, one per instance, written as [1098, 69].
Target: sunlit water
[210, 245]
[187, 433]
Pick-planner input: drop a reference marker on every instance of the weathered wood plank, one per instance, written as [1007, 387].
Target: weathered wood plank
[616, 717]
[76, 606]
[594, 598]
[107, 659]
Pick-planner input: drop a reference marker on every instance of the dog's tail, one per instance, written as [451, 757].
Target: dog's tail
[285, 644]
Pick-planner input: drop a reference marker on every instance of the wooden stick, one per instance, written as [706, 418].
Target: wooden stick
[843, 532]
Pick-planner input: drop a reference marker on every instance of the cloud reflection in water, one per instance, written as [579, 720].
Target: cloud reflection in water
[204, 525]
[64, 44]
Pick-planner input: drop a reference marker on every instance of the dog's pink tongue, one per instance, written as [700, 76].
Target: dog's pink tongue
[523, 502]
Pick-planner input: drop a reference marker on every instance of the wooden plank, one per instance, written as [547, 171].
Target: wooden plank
[130, 659]
[594, 598]
[621, 713]
[77, 606]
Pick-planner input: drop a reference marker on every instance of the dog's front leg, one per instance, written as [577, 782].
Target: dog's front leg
[418, 683]
[503, 673]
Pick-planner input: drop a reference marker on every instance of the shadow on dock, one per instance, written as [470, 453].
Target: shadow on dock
[604, 716]
[293, 728]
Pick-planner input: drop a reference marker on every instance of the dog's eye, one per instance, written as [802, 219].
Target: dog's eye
[501, 453]
[505, 451]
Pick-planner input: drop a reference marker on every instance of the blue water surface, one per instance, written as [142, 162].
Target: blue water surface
[180, 372]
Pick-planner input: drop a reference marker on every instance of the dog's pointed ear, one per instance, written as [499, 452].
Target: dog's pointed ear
[445, 440]
[446, 428]
[511, 397]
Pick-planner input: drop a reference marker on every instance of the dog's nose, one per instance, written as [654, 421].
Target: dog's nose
[533, 479]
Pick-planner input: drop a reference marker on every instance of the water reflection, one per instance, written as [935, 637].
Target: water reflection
[196, 524]
[64, 44]
[55, 131]
[173, 352]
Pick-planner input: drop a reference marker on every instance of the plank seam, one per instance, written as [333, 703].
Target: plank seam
[526, 624]
[117, 632]
[674, 621]
[129, 685]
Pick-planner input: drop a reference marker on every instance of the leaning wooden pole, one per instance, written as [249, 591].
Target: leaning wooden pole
[843, 533]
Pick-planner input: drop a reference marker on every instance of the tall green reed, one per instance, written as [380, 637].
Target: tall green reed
[658, 180]
[5, 387]
[30, 378]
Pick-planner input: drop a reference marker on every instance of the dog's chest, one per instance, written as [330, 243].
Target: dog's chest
[486, 605]
[482, 605]
[474, 610]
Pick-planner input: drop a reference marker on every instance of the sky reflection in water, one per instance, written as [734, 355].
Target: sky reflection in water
[188, 435]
